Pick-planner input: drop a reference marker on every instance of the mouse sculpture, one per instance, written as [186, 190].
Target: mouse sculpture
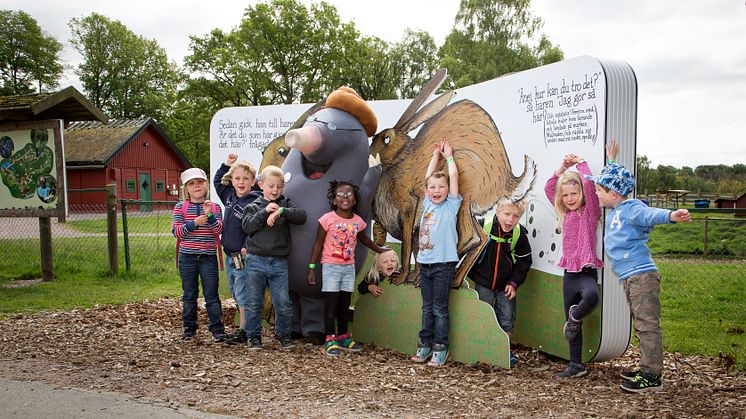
[331, 145]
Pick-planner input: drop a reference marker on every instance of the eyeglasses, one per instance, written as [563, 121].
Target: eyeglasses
[344, 194]
[331, 125]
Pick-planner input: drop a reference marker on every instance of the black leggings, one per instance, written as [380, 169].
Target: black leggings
[579, 288]
[336, 305]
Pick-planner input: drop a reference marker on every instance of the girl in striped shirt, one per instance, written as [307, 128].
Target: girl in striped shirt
[197, 224]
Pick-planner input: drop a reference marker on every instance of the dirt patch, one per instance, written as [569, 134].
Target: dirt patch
[20, 283]
[135, 349]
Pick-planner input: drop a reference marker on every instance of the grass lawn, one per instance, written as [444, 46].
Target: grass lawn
[157, 223]
[726, 237]
[703, 309]
[81, 276]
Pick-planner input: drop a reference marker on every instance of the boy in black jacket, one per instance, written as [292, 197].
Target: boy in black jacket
[503, 265]
[266, 222]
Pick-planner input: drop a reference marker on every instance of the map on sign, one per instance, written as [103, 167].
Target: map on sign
[27, 165]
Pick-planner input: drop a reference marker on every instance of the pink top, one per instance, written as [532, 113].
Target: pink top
[341, 238]
[579, 227]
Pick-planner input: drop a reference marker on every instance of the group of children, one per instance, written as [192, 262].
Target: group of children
[256, 231]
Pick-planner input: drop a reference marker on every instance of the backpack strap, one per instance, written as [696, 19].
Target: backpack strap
[512, 240]
[184, 209]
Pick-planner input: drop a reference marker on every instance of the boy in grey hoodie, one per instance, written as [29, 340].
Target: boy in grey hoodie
[266, 222]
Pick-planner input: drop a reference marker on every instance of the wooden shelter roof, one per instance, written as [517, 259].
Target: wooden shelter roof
[67, 104]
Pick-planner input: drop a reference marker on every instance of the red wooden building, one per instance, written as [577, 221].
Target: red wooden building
[739, 202]
[136, 155]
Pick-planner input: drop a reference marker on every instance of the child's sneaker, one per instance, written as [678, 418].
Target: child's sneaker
[255, 343]
[572, 326]
[238, 338]
[331, 346]
[218, 337]
[286, 342]
[423, 353]
[513, 360]
[438, 359]
[573, 370]
[346, 343]
[629, 375]
[188, 334]
[643, 382]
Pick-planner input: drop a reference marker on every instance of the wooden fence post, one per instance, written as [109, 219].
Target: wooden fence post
[704, 245]
[111, 227]
[45, 243]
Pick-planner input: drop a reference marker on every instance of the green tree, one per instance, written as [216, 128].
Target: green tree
[126, 75]
[228, 70]
[369, 68]
[645, 176]
[415, 60]
[490, 38]
[29, 58]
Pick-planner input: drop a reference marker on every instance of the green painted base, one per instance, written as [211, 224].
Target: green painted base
[394, 319]
[540, 317]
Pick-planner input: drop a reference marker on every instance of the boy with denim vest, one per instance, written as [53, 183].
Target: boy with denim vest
[627, 229]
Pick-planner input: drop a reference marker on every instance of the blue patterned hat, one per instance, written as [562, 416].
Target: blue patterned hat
[615, 177]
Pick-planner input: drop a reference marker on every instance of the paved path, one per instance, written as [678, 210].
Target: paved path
[27, 399]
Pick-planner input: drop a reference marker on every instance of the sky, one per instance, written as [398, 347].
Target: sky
[688, 55]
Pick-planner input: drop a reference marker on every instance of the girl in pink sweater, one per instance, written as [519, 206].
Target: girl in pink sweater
[579, 214]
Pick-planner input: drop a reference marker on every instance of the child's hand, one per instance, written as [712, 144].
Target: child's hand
[244, 252]
[612, 149]
[446, 149]
[681, 216]
[272, 219]
[375, 290]
[207, 207]
[231, 159]
[272, 207]
[200, 220]
[510, 291]
[311, 277]
[437, 150]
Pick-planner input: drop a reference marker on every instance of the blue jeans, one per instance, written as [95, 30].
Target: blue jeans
[503, 307]
[435, 285]
[236, 281]
[272, 271]
[191, 269]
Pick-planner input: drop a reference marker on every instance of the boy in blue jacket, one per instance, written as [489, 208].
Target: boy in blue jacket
[234, 183]
[627, 230]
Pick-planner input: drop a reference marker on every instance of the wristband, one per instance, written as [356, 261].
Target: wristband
[450, 160]
[581, 161]
[312, 265]
[612, 161]
[281, 210]
[208, 214]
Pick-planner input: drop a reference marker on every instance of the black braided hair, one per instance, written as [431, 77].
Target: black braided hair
[332, 193]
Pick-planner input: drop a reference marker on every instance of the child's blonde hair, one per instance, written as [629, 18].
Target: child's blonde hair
[374, 276]
[272, 171]
[567, 178]
[520, 205]
[242, 164]
[437, 175]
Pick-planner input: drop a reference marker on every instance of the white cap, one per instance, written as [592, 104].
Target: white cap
[191, 174]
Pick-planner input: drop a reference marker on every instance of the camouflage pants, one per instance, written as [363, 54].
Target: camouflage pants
[643, 293]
